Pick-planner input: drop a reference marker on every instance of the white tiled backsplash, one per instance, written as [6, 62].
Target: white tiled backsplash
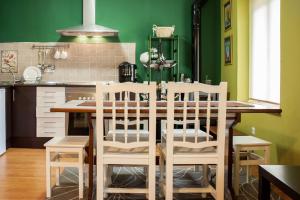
[85, 62]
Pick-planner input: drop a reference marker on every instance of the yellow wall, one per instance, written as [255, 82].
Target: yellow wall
[237, 73]
[283, 131]
[229, 72]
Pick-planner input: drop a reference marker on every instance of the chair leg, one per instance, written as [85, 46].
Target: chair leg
[169, 179]
[161, 168]
[236, 185]
[80, 173]
[48, 174]
[151, 180]
[86, 175]
[247, 173]
[109, 174]
[106, 178]
[146, 173]
[205, 178]
[196, 168]
[57, 173]
[100, 183]
[267, 155]
[220, 182]
[161, 174]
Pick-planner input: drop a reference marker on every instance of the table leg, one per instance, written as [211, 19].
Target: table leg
[230, 153]
[264, 187]
[91, 156]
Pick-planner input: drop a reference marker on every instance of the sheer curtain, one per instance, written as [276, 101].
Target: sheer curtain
[265, 50]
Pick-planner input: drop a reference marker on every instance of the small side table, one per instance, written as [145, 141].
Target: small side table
[285, 177]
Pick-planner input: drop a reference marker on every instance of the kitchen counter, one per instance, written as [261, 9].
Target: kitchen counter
[5, 84]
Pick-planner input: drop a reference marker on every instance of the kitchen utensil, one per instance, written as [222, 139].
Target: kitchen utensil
[46, 51]
[32, 74]
[57, 54]
[144, 58]
[163, 31]
[63, 54]
[40, 57]
[127, 72]
[169, 63]
[154, 53]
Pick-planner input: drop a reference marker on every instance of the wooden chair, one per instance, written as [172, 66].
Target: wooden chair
[245, 155]
[126, 146]
[196, 150]
[64, 152]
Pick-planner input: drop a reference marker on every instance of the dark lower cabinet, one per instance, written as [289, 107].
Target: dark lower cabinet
[24, 118]
[8, 110]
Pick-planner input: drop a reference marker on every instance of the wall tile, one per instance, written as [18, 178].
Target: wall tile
[85, 62]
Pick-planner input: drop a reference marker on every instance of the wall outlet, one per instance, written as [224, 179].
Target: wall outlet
[253, 130]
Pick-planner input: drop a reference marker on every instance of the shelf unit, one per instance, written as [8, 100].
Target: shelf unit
[172, 54]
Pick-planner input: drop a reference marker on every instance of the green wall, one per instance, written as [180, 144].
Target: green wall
[37, 20]
[282, 130]
[211, 49]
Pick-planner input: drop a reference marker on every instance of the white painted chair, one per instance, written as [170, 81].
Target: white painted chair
[245, 154]
[126, 146]
[195, 150]
[62, 152]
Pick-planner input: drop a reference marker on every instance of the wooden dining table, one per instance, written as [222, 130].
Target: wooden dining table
[233, 117]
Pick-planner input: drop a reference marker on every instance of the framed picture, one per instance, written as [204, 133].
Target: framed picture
[9, 61]
[227, 15]
[228, 50]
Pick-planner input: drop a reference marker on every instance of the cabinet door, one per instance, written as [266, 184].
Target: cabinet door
[24, 114]
[8, 116]
[2, 122]
[24, 118]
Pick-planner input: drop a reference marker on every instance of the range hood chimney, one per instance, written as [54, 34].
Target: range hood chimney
[89, 27]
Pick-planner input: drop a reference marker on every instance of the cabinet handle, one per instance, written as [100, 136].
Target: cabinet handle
[48, 92]
[49, 132]
[13, 95]
[50, 102]
[49, 97]
[49, 122]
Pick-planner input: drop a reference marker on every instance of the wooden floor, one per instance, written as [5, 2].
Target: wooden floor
[22, 174]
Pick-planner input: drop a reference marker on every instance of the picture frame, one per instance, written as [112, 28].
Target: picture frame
[228, 50]
[227, 15]
[9, 61]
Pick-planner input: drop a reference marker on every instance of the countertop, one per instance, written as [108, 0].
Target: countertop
[5, 84]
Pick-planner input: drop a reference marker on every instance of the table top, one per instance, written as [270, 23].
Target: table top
[288, 175]
[83, 106]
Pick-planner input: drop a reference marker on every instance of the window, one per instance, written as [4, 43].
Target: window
[265, 50]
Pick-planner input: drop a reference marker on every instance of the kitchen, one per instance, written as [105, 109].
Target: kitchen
[47, 67]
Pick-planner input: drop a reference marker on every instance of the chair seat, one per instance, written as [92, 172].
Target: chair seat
[189, 133]
[61, 153]
[130, 131]
[245, 154]
[132, 136]
[112, 150]
[68, 142]
[183, 151]
[190, 136]
[249, 141]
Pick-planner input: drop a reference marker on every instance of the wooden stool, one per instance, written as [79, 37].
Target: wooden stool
[58, 150]
[244, 147]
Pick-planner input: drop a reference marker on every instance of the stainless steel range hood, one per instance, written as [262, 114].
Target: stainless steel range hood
[89, 27]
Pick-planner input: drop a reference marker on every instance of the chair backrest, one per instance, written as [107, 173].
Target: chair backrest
[187, 108]
[124, 104]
